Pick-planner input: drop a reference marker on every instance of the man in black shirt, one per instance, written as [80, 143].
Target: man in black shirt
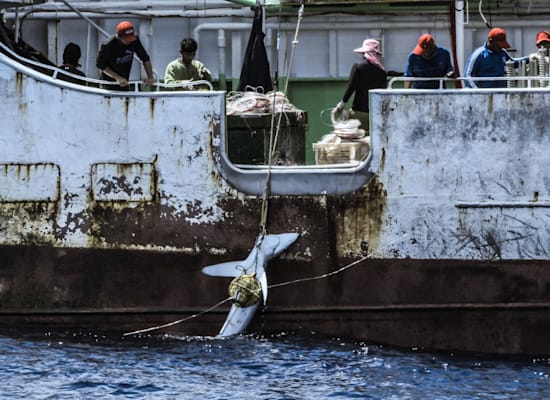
[116, 55]
[71, 57]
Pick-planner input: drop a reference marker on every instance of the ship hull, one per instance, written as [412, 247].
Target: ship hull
[483, 307]
[111, 204]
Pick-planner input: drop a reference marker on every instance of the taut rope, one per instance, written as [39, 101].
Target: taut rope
[329, 274]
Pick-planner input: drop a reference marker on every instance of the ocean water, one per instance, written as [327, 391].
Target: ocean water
[78, 365]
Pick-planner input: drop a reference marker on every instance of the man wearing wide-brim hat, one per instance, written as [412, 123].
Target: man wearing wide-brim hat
[365, 75]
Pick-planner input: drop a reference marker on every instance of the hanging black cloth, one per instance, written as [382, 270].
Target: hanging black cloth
[255, 69]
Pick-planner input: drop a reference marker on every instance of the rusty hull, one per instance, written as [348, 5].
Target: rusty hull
[109, 210]
[475, 306]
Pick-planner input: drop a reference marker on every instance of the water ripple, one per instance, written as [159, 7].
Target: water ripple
[79, 365]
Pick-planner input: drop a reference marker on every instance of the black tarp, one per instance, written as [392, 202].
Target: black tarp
[255, 70]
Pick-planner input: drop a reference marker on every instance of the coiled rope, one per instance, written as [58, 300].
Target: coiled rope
[245, 290]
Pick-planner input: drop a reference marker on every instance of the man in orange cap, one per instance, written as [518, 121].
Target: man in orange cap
[428, 61]
[116, 55]
[538, 62]
[489, 61]
[543, 39]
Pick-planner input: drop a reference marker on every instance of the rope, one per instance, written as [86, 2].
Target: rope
[320, 276]
[179, 321]
[329, 274]
[294, 43]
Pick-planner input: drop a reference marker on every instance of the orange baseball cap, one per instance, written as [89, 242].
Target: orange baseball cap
[542, 37]
[498, 35]
[425, 42]
[126, 30]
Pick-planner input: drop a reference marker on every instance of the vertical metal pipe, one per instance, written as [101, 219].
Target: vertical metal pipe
[52, 41]
[459, 19]
[88, 45]
[221, 59]
[16, 24]
[332, 53]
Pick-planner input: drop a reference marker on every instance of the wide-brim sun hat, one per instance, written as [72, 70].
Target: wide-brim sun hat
[369, 45]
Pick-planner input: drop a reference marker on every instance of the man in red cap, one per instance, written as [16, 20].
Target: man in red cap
[116, 55]
[489, 61]
[538, 62]
[543, 39]
[428, 61]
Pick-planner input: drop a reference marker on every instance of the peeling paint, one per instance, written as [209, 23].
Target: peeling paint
[150, 181]
[484, 150]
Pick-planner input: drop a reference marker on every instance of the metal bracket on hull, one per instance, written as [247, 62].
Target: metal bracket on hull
[293, 180]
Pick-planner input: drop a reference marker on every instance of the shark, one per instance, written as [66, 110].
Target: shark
[266, 247]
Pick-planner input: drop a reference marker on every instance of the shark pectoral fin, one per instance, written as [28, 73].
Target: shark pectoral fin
[237, 320]
[229, 269]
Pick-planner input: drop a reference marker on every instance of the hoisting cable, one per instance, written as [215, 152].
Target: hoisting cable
[267, 188]
[288, 69]
[276, 127]
[294, 43]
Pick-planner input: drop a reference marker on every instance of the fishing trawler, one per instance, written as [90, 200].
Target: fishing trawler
[124, 211]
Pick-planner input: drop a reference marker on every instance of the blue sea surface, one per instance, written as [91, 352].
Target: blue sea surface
[81, 365]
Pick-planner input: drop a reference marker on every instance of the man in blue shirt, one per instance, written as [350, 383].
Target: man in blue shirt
[428, 61]
[489, 60]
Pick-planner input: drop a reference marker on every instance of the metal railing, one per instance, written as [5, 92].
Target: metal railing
[528, 81]
[57, 73]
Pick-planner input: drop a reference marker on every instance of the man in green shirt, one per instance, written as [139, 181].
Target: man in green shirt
[186, 68]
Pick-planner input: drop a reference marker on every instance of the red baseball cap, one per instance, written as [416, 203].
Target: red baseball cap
[126, 30]
[542, 37]
[498, 35]
[425, 42]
